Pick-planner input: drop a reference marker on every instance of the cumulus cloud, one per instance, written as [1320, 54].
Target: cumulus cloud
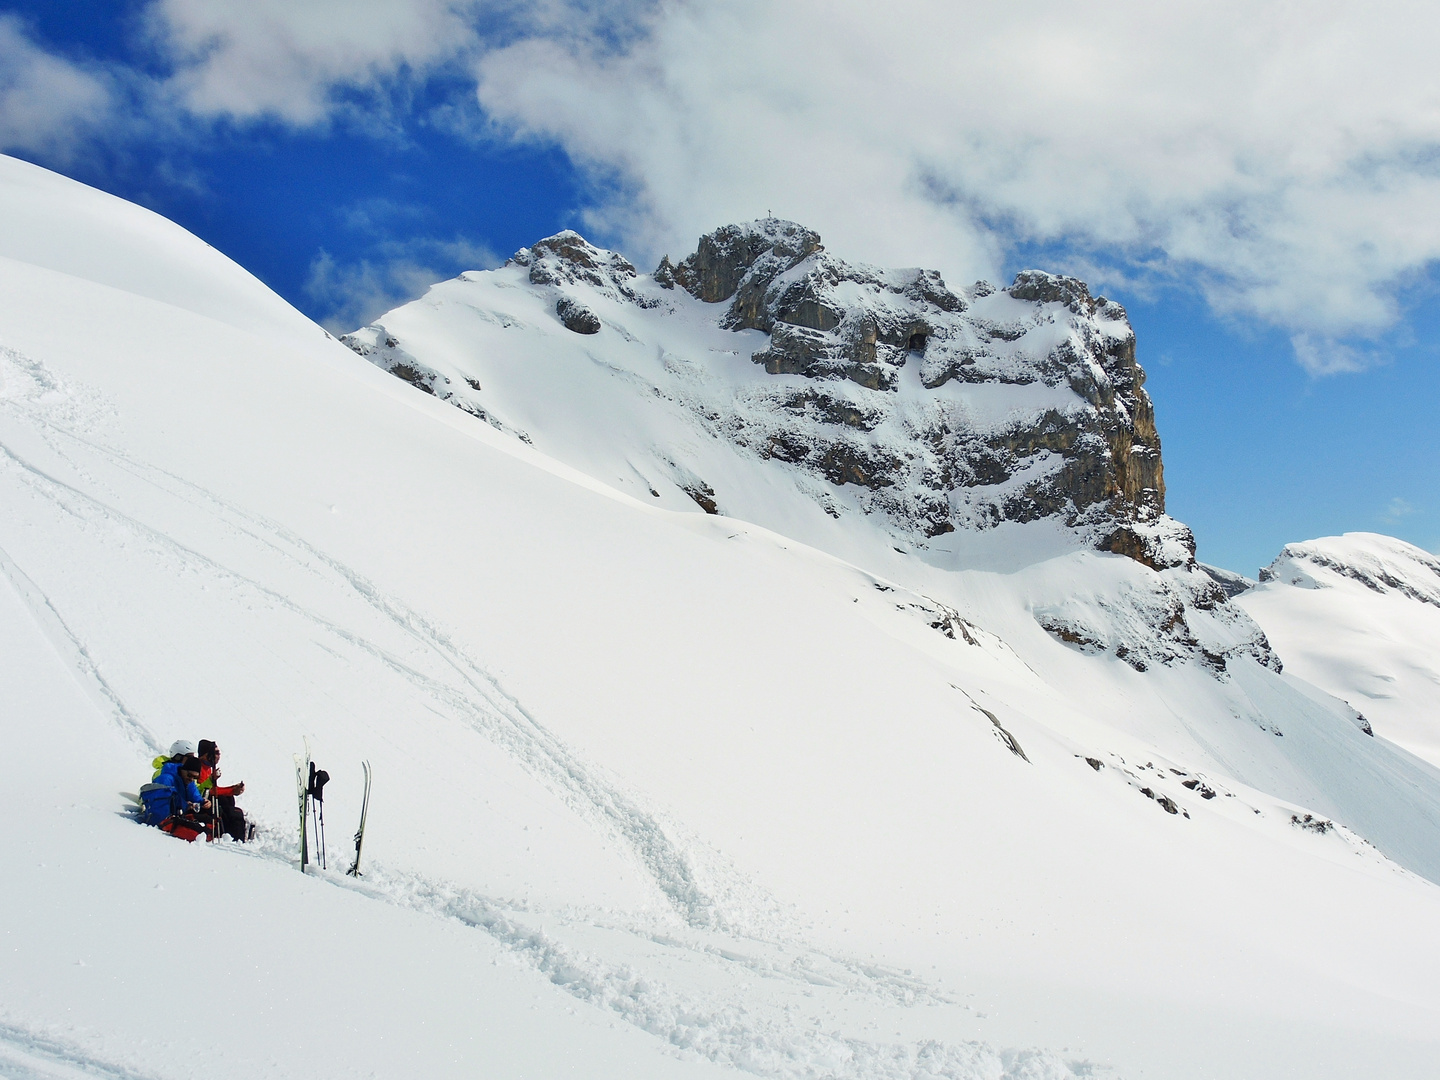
[48, 105]
[286, 61]
[1326, 356]
[298, 63]
[1283, 159]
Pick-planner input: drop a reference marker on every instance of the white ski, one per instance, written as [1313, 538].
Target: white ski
[354, 870]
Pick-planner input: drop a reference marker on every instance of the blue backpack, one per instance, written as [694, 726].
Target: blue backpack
[158, 802]
[163, 798]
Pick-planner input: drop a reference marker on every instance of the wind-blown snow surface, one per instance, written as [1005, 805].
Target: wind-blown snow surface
[657, 793]
[1359, 616]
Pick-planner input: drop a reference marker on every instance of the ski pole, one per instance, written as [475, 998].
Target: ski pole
[318, 779]
[321, 812]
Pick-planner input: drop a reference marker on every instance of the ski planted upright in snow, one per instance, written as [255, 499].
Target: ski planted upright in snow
[354, 870]
[302, 783]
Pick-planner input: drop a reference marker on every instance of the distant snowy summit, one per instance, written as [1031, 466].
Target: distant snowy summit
[764, 378]
[1359, 616]
[1382, 564]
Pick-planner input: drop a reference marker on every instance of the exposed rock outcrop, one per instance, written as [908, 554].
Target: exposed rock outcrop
[567, 258]
[1232, 583]
[384, 351]
[576, 316]
[1086, 449]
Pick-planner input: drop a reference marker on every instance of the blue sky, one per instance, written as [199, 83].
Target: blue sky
[1282, 289]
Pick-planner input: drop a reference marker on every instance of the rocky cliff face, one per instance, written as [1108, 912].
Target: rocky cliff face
[887, 393]
[1086, 450]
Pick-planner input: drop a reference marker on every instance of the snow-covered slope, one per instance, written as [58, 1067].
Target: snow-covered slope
[658, 793]
[1359, 616]
[994, 452]
[61, 225]
[872, 413]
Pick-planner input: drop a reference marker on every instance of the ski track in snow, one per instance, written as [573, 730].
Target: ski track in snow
[778, 1042]
[471, 694]
[73, 653]
[26, 1054]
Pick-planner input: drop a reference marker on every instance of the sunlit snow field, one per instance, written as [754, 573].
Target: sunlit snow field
[657, 793]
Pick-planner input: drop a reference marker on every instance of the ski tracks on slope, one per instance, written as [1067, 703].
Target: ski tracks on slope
[727, 924]
[30, 1054]
[787, 1032]
[74, 654]
[705, 896]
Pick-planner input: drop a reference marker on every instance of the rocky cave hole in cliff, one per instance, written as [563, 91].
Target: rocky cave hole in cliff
[917, 343]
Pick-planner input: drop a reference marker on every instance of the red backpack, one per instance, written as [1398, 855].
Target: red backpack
[185, 828]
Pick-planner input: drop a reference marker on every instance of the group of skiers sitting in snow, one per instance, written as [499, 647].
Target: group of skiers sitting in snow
[185, 800]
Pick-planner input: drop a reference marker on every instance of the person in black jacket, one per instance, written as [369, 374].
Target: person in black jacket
[231, 817]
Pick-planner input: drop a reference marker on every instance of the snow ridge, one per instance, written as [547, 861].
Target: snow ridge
[1359, 616]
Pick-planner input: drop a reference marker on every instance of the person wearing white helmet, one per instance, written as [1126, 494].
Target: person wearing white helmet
[178, 751]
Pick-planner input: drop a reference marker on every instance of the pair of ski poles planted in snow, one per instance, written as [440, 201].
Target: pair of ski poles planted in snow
[310, 783]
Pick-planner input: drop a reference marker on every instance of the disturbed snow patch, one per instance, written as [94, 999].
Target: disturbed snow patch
[780, 1034]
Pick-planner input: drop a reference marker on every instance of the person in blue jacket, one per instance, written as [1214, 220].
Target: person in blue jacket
[175, 791]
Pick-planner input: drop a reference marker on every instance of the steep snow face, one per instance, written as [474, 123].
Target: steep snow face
[1359, 615]
[865, 411]
[658, 794]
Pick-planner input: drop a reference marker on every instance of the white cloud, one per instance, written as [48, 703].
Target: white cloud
[355, 293]
[285, 60]
[1326, 356]
[1285, 159]
[293, 62]
[1397, 509]
[47, 103]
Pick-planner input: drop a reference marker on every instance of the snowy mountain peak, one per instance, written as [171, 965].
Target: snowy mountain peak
[862, 410]
[914, 405]
[749, 256]
[1382, 564]
[828, 319]
[1359, 616]
[568, 258]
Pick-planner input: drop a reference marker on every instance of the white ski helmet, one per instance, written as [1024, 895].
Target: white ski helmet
[182, 746]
